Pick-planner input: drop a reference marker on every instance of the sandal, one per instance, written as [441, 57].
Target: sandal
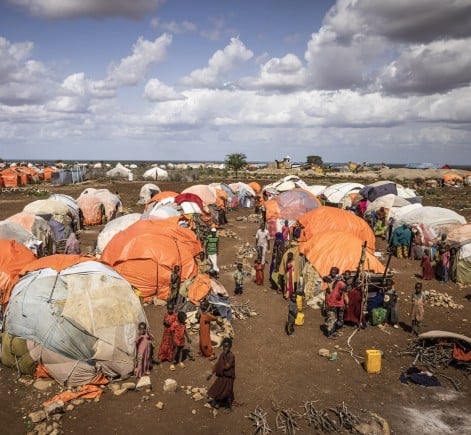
[182, 365]
[172, 367]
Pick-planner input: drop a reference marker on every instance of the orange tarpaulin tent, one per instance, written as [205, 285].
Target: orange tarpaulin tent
[340, 249]
[330, 218]
[255, 186]
[161, 196]
[146, 252]
[13, 258]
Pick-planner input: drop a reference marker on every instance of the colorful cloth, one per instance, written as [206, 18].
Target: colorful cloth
[166, 345]
[427, 269]
[144, 354]
[72, 245]
[206, 347]
[259, 276]
[178, 333]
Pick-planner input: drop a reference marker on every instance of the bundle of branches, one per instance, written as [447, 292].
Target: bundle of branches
[242, 310]
[431, 353]
[259, 420]
[286, 419]
[318, 419]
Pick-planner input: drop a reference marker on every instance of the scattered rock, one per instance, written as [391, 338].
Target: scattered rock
[324, 352]
[145, 398]
[129, 385]
[170, 385]
[119, 392]
[193, 411]
[42, 384]
[37, 416]
[197, 396]
[69, 407]
[143, 382]
[115, 387]
[77, 402]
[159, 405]
[56, 407]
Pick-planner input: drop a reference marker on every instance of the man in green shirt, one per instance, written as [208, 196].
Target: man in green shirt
[212, 248]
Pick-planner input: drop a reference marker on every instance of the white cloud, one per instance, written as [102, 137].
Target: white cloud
[435, 67]
[59, 9]
[173, 26]
[219, 65]
[133, 68]
[285, 74]
[156, 91]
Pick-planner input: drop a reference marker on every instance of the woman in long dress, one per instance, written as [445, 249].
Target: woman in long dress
[221, 393]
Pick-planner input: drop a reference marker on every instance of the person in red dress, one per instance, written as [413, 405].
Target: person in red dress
[427, 269]
[166, 344]
[206, 348]
[179, 333]
[259, 276]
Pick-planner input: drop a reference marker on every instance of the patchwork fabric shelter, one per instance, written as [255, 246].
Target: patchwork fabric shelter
[147, 192]
[460, 238]
[98, 205]
[50, 207]
[204, 192]
[337, 192]
[13, 258]
[324, 219]
[39, 228]
[79, 321]
[146, 252]
[340, 249]
[14, 231]
[114, 227]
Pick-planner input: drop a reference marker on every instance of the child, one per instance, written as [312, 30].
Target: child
[166, 345]
[259, 276]
[174, 284]
[292, 314]
[417, 309]
[427, 269]
[205, 317]
[179, 334]
[143, 342]
[239, 280]
[445, 264]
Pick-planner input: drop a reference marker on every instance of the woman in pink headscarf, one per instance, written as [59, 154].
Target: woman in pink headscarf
[72, 245]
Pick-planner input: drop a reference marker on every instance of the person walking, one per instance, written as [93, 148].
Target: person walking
[262, 242]
[417, 309]
[212, 249]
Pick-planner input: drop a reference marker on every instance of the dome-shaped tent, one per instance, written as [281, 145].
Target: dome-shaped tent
[323, 219]
[338, 249]
[335, 193]
[155, 173]
[13, 258]
[146, 252]
[147, 192]
[205, 192]
[114, 227]
[50, 207]
[98, 205]
[79, 320]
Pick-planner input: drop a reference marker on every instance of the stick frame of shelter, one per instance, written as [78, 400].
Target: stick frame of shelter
[364, 284]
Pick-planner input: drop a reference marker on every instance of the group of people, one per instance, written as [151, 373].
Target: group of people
[173, 349]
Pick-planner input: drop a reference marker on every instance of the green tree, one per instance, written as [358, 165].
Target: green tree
[236, 162]
[315, 160]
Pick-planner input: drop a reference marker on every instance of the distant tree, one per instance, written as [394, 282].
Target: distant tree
[236, 162]
[315, 160]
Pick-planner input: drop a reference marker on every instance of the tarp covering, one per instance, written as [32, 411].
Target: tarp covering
[87, 313]
[323, 219]
[92, 202]
[372, 192]
[155, 173]
[291, 204]
[114, 227]
[205, 192]
[336, 192]
[430, 216]
[146, 252]
[340, 249]
[147, 192]
[57, 209]
[13, 258]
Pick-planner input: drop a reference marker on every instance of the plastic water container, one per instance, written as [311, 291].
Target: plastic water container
[299, 302]
[373, 361]
[299, 321]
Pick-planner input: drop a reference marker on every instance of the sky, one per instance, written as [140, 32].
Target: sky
[347, 80]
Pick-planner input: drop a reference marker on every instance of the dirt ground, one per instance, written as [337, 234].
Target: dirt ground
[271, 367]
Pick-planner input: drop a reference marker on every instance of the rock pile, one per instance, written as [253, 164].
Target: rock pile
[437, 299]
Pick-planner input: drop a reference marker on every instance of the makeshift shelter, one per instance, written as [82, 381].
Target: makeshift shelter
[162, 198]
[39, 228]
[78, 321]
[389, 202]
[206, 193]
[10, 178]
[98, 206]
[164, 211]
[338, 194]
[147, 192]
[119, 171]
[50, 208]
[155, 173]
[72, 205]
[114, 227]
[316, 189]
[14, 231]
[289, 205]
[146, 252]
[245, 194]
[324, 219]
[467, 179]
[460, 238]
[452, 180]
[340, 249]
[47, 173]
[13, 258]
